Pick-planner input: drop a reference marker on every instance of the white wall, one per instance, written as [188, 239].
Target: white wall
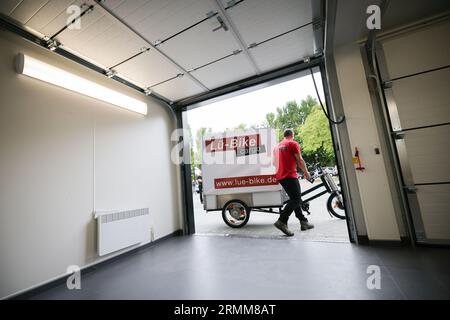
[378, 208]
[63, 156]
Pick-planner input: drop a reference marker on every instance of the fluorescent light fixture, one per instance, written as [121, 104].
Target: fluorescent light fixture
[45, 72]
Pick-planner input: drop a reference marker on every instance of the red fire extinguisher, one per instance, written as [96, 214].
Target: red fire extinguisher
[357, 160]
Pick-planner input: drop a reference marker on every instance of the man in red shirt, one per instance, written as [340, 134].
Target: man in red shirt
[287, 156]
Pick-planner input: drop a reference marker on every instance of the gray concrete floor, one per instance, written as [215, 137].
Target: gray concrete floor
[258, 263]
[260, 225]
[236, 268]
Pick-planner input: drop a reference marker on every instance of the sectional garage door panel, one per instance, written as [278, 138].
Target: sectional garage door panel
[287, 49]
[178, 88]
[231, 69]
[8, 6]
[92, 25]
[103, 39]
[434, 204]
[429, 154]
[27, 9]
[45, 17]
[148, 69]
[418, 51]
[56, 23]
[418, 107]
[50, 11]
[415, 66]
[259, 20]
[160, 19]
[200, 45]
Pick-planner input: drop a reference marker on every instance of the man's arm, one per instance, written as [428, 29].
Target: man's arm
[302, 165]
[275, 159]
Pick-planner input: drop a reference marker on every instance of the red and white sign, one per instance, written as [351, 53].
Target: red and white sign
[245, 182]
[233, 143]
[235, 162]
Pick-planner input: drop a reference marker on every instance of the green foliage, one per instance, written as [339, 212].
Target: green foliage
[292, 116]
[316, 137]
[313, 134]
[271, 120]
[311, 127]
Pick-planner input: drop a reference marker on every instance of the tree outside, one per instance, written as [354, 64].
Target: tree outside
[310, 126]
[316, 138]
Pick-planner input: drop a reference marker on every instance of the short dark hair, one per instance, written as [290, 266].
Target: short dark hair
[288, 133]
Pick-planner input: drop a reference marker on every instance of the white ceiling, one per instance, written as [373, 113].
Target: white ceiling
[121, 29]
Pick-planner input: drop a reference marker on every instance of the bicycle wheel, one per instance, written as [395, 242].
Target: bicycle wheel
[335, 206]
[236, 214]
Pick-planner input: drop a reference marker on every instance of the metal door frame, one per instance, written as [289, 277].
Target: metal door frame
[387, 144]
[317, 64]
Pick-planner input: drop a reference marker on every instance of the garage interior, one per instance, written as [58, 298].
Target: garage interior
[69, 162]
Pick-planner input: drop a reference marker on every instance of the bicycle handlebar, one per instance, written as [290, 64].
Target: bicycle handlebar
[318, 167]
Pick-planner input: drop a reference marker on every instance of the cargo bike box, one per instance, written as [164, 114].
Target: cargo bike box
[239, 175]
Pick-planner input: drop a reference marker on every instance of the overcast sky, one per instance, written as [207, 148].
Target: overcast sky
[251, 108]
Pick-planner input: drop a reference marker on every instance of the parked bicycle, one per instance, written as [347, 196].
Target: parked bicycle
[335, 203]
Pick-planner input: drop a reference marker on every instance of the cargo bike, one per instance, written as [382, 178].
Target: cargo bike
[236, 188]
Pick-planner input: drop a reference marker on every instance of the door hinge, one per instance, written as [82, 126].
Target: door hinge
[398, 135]
[387, 84]
[410, 189]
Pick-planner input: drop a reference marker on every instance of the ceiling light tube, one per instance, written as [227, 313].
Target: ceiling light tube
[39, 70]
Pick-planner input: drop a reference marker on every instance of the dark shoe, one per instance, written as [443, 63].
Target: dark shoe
[305, 225]
[283, 228]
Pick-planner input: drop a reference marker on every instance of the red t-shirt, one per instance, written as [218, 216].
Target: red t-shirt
[285, 159]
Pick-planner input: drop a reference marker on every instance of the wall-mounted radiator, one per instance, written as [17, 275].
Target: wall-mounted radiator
[121, 229]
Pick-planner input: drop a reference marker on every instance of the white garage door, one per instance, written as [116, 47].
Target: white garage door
[415, 67]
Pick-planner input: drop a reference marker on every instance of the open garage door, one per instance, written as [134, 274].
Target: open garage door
[235, 190]
[414, 67]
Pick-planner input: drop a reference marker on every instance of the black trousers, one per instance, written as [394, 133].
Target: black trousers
[292, 188]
